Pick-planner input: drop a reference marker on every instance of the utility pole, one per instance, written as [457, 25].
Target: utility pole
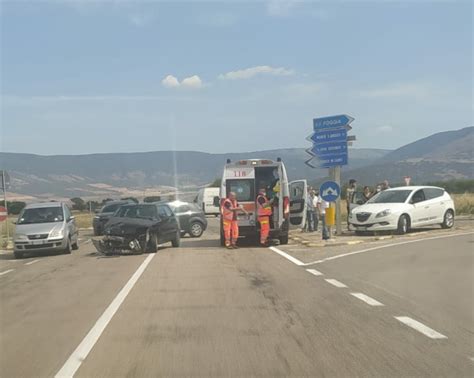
[4, 184]
[337, 179]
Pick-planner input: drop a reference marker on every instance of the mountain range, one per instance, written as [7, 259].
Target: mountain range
[442, 156]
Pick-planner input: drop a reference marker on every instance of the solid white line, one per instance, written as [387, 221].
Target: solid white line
[6, 271]
[87, 241]
[420, 327]
[367, 299]
[32, 262]
[314, 272]
[383, 247]
[79, 355]
[287, 256]
[335, 282]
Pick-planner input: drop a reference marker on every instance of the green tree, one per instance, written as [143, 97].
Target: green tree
[78, 204]
[151, 199]
[131, 199]
[14, 207]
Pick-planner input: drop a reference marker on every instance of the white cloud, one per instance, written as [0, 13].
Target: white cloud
[280, 8]
[170, 82]
[398, 90]
[140, 20]
[248, 73]
[385, 129]
[191, 82]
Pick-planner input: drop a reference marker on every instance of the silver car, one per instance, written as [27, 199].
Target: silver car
[48, 226]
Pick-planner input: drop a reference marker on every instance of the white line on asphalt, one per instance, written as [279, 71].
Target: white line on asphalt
[79, 355]
[314, 272]
[367, 299]
[383, 247]
[287, 256]
[420, 327]
[87, 241]
[6, 271]
[335, 282]
[32, 262]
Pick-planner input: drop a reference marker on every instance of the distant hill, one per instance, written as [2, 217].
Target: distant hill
[439, 157]
[139, 174]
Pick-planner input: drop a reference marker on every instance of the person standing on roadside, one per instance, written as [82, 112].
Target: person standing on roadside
[310, 211]
[230, 209]
[351, 188]
[264, 212]
[367, 193]
[315, 196]
[322, 206]
[385, 185]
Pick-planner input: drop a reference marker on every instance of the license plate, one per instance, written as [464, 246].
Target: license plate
[37, 242]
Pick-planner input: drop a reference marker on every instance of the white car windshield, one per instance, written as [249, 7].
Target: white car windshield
[391, 196]
[42, 215]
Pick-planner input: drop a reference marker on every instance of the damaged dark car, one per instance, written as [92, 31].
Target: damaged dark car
[139, 228]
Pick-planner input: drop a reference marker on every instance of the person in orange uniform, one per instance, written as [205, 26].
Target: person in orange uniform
[264, 212]
[230, 209]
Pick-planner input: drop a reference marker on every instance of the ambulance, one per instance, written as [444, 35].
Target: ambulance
[245, 178]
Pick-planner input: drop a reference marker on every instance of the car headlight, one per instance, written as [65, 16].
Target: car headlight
[56, 233]
[96, 217]
[20, 237]
[383, 213]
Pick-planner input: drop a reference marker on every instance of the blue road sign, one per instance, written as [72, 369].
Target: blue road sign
[330, 191]
[331, 122]
[325, 136]
[333, 161]
[331, 148]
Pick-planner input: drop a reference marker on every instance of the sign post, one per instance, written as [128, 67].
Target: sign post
[330, 191]
[5, 184]
[330, 149]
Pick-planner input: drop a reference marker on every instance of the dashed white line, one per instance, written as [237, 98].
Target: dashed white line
[32, 262]
[365, 298]
[6, 272]
[79, 355]
[287, 256]
[314, 272]
[335, 282]
[420, 327]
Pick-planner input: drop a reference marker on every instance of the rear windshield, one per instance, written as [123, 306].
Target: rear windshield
[42, 215]
[244, 189]
[391, 196]
[137, 211]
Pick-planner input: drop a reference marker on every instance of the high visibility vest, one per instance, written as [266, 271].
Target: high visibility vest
[264, 210]
[226, 213]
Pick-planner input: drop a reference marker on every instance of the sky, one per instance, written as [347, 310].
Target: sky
[81, 76]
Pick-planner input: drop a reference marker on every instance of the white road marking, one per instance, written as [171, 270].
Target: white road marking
[383, 247]
[6, 272]
[287, 256]
[335, 282]
[314, 272]
[79, 355]
[367, 299]
[87, 241]
[420, 327]
[32, 262]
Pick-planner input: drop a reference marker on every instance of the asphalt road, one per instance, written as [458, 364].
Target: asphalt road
[405, 310]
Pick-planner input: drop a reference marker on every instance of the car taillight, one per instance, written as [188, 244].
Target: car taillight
[286, 207]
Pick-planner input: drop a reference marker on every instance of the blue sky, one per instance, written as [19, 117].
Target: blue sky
[121, 76]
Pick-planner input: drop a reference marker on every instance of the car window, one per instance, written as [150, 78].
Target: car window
[137, 211]
[419, 196]
[391, 196]
[67, 212]
[432, 193]
[42, 215]
[164, 211]
[244, 189]
[111, 208]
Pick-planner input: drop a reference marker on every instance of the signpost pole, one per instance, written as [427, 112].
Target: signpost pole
[4, 184]
[331, 177]
[337, 178]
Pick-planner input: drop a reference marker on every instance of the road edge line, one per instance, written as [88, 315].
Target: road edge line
[287, 256]
[77, 357]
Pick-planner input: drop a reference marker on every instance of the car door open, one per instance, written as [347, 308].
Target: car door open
[298, 205]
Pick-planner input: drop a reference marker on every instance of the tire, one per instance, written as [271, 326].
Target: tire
[177, 240]
[222, 237]
[448, 219]
[182, 233]
[75, 246]
[403, 224]
[284, 239]
[152, 246]
[18, 255]
[68, 249]
[196, 229]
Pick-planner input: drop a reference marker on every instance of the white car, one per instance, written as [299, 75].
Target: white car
[403, 208]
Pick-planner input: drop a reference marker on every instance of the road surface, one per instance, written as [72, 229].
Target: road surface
[405, 310]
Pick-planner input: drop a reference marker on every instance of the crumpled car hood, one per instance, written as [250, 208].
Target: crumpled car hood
[129, 226]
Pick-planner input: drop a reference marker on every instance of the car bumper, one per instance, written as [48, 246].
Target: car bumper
[40, 245]
[382, 224]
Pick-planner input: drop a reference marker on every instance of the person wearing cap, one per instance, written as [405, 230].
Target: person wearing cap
[264, 212]
[351, 188]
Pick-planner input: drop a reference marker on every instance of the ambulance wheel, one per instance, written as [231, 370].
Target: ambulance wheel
[284, 239]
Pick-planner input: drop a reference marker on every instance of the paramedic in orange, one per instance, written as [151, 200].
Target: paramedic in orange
[230, 208]
[264, 212]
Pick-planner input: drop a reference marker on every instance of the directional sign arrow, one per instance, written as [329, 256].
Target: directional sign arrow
[325, 136]
[329, 149]
[308, 163]
[331, 122]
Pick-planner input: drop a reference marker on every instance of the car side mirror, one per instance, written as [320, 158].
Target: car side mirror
[72, 217]
[217, 201]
